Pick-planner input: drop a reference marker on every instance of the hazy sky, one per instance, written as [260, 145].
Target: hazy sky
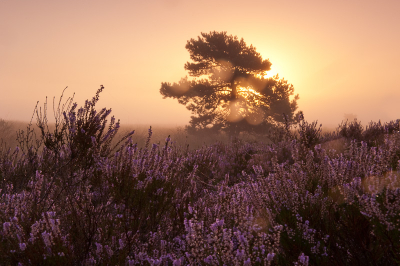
[342, 56]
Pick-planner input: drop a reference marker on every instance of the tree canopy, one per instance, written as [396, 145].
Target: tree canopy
[228, 88]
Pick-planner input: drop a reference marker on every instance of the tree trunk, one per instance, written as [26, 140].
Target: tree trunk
[234, 90]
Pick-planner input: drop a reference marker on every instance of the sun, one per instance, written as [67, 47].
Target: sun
[275, 69]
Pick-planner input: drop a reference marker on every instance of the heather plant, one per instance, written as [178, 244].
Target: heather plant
[374, 132]
[351, 130]
[81, 129]
[5, 130]
[74, 195]
[309, 134]
[310, 198]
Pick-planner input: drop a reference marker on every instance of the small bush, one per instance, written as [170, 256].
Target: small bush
[351, 130]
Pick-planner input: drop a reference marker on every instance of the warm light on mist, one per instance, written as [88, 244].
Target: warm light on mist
[224, 71]
[236, 110]
[240, 109]
[256, 116]
[181, 88]
[137, 45]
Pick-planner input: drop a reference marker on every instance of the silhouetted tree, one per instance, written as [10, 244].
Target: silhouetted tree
[227, 89]
[350, 117]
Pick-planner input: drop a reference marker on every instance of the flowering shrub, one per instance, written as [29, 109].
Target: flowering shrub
[76, 196]
[351, 130]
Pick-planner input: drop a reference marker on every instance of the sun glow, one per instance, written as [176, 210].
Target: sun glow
[275, 70]
[240, 109]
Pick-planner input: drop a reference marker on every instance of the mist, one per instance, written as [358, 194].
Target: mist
[337, 66]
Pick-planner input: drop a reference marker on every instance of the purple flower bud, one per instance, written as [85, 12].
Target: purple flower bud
[247, 262]
[6, 227]
[177, 262]
[22, 246]
[303, 259]
[270, 256]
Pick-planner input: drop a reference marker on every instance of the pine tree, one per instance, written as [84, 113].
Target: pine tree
[227, 89]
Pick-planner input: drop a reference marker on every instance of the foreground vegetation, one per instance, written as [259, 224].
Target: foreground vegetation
[72, 196]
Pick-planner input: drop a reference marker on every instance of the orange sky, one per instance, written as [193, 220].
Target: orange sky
[341, 56]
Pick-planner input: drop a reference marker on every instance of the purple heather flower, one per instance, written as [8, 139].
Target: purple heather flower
[209, 259]
[46, 238]
[303, 259]
[220, 222]
[240, 254]
[22, 246]
[270, 256]
[247, 262]
[6, 227]
[99, 248]
[214, 227]
[177, 262]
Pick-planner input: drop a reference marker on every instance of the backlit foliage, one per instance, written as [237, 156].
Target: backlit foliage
[228, 89]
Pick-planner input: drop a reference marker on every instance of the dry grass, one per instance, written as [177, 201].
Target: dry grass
[178, 135]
